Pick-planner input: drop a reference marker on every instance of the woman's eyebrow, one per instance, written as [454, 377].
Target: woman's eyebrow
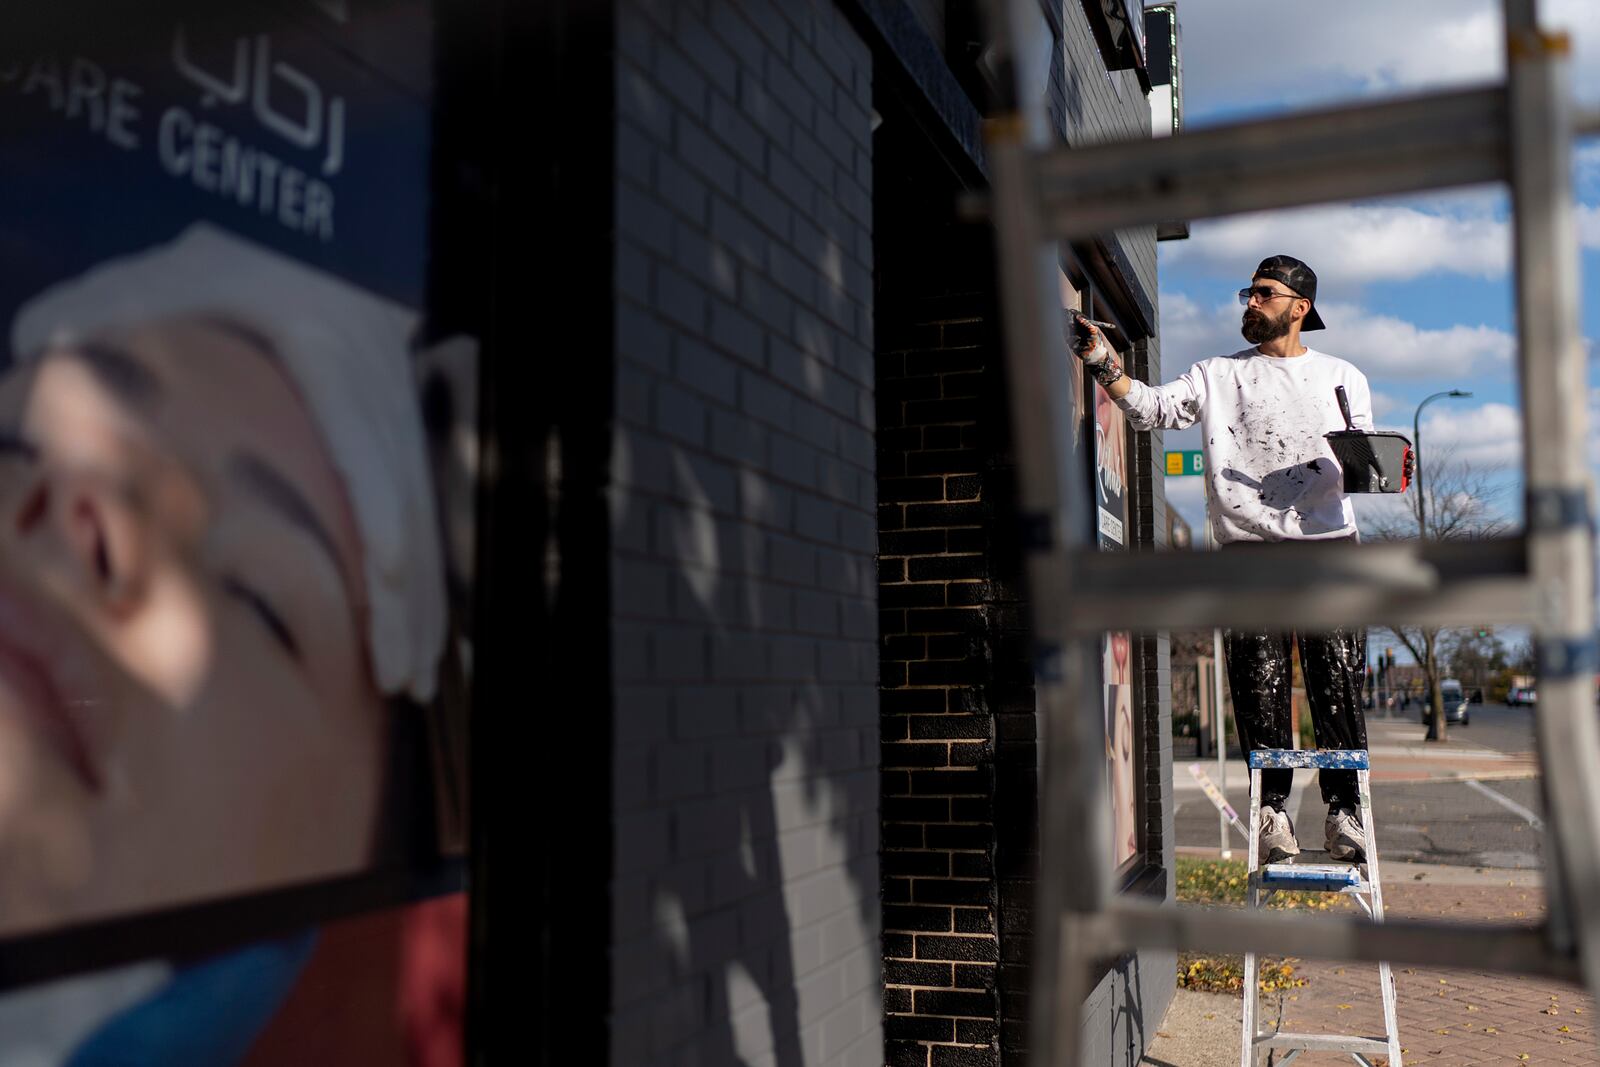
[263, 481]
[241, 332]
[121, 374]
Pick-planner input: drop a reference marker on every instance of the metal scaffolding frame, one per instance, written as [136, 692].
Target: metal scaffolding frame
[1042, 193]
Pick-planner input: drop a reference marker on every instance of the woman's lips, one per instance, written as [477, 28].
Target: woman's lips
[26, 670]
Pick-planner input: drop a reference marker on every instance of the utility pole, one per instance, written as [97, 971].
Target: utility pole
[1436, 726]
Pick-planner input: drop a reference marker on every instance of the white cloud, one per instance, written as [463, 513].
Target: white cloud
[1236, 53]
[1353, 244]
[1589, 225]
[1587, 158]
[1487, 436]
[1233, 57]
[1383, 404]
[1361, 46]
[1384, 347]
[1190, 333]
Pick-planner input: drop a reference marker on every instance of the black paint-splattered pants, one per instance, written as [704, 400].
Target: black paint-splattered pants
[1333, 665]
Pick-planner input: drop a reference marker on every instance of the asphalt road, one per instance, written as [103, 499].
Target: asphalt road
[1486, 824]
[1491, 725]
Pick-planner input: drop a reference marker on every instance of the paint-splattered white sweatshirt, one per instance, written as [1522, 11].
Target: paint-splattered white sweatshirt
[1270, 473]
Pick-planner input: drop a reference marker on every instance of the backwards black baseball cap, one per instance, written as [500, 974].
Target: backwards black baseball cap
[1298, 277]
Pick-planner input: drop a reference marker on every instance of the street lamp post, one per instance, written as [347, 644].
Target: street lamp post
[1435, 701]
[1416, 446]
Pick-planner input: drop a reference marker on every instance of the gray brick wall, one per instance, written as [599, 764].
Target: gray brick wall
[745, 896]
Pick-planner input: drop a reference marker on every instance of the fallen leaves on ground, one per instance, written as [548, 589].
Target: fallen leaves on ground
[1227, 883]
[1225, 974]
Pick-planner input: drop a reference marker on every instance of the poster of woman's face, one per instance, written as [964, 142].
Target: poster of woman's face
[1111, 470]
[1120, 755]
[186, 706]
[237, 471]
[226, 575]
[206, 632]
[1120, 769]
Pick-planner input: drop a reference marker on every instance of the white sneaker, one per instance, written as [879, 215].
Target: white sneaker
[1346, 839]
[1275, 842]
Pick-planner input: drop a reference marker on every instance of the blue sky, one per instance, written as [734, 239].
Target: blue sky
[1416, 291]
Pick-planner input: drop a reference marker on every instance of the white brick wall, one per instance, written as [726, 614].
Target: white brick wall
[745, 911]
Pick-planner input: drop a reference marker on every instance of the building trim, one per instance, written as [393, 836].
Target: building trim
[894, 33]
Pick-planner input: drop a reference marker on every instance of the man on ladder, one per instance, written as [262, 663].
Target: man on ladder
[1272, 476]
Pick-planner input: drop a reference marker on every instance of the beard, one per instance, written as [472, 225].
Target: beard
[1258, 329]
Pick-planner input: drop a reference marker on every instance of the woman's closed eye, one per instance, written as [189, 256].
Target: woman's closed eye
[265, 613]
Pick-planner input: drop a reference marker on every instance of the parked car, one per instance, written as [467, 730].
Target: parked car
[1455, 703]
[1522, 696]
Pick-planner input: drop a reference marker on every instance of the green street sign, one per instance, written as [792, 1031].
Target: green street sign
[1186, 462]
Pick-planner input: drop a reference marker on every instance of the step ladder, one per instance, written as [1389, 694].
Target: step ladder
[1041, 193]
[1315, 872]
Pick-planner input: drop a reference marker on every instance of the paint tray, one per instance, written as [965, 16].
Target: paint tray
[1374, 461]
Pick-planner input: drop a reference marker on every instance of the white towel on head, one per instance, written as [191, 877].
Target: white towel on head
[348, 353]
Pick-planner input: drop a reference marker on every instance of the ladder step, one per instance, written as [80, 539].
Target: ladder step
[1313, 877]
[1313, 856]
[1322, 1042]
[1303, 584]
[1327, 759]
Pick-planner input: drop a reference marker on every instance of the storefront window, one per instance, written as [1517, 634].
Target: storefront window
[1108, 430]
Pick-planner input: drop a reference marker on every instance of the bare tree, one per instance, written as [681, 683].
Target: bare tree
[1459, 499]
[1472, 653]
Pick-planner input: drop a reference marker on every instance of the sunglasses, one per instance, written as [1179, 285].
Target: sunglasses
[1263, 294]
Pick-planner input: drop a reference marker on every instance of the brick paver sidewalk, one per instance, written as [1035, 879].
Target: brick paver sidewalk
[1450, 1018]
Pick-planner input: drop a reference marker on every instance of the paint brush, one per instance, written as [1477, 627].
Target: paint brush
[1081, 317]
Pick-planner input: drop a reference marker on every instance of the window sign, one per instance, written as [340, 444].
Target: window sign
[1110, 470]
